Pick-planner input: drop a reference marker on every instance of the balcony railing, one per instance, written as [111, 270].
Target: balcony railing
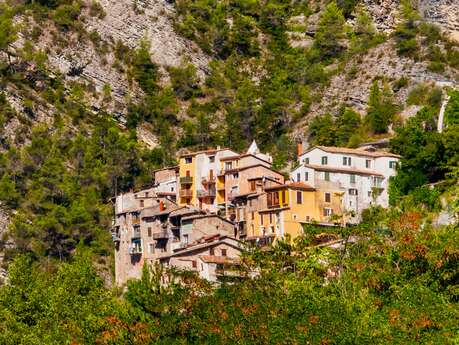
[209, 193]
[186, 180]
[133, 250]
[208, 180]
[186, 193]
[160, 235]
[274, 205]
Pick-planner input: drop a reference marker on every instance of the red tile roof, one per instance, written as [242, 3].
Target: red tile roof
[219, 259]
[358, 152]
[292, 185]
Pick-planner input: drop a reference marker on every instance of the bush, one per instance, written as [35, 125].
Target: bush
[66, 15]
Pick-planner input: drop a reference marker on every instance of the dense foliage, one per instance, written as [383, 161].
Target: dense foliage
[427, 155]
[60, 184]
[397, 284]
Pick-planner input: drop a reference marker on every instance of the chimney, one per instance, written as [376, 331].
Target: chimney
[299, 149]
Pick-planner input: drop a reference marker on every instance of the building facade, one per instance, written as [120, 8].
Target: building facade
[362, 176]
[214, 258]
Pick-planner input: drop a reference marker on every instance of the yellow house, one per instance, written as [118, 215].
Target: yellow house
[198, 172]
[187, 177]
[283, 209]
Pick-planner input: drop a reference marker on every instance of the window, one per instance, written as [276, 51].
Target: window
[212, 159]
[150, 248]
[306, 161]
[261, 219]
[299, 197]
[347, 161]
[270, 218]
[352, 178]
[298, 177]
[284, 199]
[211, 251]
[185, 239]
[142, 203]
[393, 164]
[194, 264]
[223, 252]
[327, 197]
[377, 181]
[368, 163]
[326, 176]
[146, 194]
[324, 160]
[353, 191]
[328, 212]
[228, 165]
[269, 197]
[253, 185]
[149, 232]
[188, 160]
[306, 176]
[294, 216]
[253, 215]
[235, 176]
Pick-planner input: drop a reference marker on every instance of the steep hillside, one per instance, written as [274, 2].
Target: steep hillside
[197, 74]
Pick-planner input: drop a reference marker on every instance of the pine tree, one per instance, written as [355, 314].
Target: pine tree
[330, 31]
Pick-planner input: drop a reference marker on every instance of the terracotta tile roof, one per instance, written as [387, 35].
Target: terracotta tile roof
[229, 171]
[175, 167]
[219, 259]
[292, 185]
[343, 170]
[230, 158]
[358, 152]
[209, 151]
[166, 193]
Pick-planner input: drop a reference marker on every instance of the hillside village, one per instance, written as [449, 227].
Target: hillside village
[201, 214]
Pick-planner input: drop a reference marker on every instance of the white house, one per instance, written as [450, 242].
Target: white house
[363, 176]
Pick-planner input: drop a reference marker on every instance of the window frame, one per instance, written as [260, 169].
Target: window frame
[299, 197]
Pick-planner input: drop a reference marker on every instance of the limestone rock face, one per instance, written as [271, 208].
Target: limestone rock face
[384, 13]
[128, 22]
[444, 13]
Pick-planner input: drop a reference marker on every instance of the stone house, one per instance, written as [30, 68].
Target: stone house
[215, 258]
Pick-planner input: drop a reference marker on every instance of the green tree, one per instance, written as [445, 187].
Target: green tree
[8, 31]
[330, 31]
[381, 108]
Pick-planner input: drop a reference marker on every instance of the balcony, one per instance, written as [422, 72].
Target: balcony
[186, 193]
[208, 180]
[242, 227]
[160, 235]
[135, 250]
[136, 232]
[136, 246]
[210, 193]
[115, 237]
[273, 205]
[232, 195]
[135, 221]
[186, 180]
